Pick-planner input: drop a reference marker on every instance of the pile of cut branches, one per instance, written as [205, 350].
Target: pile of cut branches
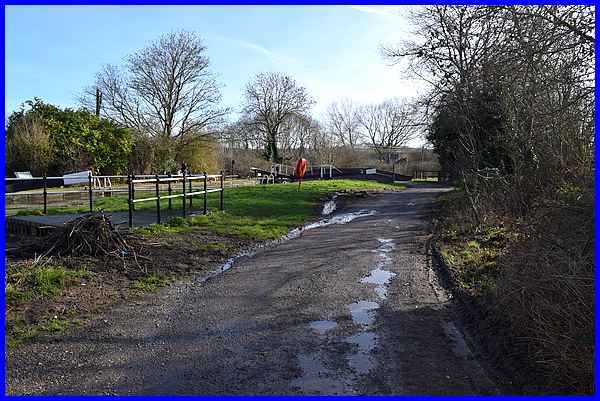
[91, 235]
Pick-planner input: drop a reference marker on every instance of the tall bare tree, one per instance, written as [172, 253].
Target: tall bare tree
[165, 89]
[241, 134]
[343, 123]
[270, 100]
[388, 125]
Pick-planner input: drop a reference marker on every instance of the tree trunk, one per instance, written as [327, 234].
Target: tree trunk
[272, 154]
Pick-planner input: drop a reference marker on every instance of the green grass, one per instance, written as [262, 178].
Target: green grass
[265, 211]
[19, 331]
[151, 282]
[213, 247]
[476, 268]
[262, 211]
[26, 282]
[471, 250]
[256, 200]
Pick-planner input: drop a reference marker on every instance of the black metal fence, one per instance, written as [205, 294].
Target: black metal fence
[13, 186]
[187, 192]
[129, 184]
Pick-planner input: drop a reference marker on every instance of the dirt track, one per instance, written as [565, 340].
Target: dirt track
[351, 308]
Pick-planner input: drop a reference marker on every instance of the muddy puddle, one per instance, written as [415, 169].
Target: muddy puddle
[362, 361]
[322, 326]
[316, 378]
[379, 275]
[363, 312]
[329, 206]
[342, 218]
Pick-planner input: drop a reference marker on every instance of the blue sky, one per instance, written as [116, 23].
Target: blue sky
[53, 52]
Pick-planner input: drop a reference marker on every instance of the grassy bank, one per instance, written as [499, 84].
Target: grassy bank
[529, 281]
[49, 295]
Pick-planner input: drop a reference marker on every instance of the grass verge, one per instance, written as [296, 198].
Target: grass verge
[28, 284]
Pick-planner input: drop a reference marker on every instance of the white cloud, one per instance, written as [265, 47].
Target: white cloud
[274, 57]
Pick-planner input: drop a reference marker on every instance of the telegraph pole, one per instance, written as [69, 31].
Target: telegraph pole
[98, 101]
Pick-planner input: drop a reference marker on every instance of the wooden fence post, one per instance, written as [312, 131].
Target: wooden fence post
[191, 190]
[132, 191]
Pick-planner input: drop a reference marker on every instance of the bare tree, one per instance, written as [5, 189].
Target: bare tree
[165, 89]
[270, 100]
[319, 144]
[343, 122]
[242, 134]
[388, 125]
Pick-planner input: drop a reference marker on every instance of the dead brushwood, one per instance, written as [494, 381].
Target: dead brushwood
[93, 235]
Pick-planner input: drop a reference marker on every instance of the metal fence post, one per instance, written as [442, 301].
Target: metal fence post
[170, 206]
[132, 191]
[205, 192]
[130, 198]
[157, 199]
[183, 199]
[46, 194]
[191, 196]
[221, 193]
[90, 194]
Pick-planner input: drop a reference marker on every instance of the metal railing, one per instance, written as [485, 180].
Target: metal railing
[92, 187]
[187, 193]
[425, 174]
[129, 184]
[320, 170]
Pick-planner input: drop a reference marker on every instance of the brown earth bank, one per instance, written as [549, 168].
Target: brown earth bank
[351, 305]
